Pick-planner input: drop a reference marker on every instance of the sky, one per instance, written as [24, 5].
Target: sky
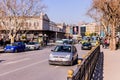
[68, 11]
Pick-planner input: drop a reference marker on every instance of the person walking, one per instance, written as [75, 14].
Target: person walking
[105, 43]
[117, 42]
[108, 42]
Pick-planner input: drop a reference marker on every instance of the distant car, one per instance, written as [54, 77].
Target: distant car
[63, 41]
[72, 41]
[63, 54]
[94, 40]
[59, 42]
[94, 43]
[86, 45]
[85, 39]
[32, 46]
[66, 41]
[15, 47]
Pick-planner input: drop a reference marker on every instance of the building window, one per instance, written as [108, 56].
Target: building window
[26, 24]
[34, 23]
[29, 24]
[37, 24]
[75, 30]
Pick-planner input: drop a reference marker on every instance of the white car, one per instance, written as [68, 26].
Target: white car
[32, 46]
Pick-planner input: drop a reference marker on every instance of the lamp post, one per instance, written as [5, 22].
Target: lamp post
[56, 35]
[45, 39]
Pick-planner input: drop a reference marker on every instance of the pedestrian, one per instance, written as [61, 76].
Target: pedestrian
[105, 43]
[117, 42]
[108, 42]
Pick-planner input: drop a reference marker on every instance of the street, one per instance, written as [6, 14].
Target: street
[33, 65]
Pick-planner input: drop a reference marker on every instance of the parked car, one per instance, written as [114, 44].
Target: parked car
[86, 45]
[63, 54]
[66, 41]
[15, 47]
[59, 42]
[32, 46]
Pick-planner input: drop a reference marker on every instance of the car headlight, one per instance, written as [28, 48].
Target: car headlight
[68, 56]
[50, 55]
[12, 48]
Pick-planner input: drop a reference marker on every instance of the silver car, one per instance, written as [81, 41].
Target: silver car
[63, 54]
[32, 46]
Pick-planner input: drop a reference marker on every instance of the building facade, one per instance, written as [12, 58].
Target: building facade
[36, 26]
[86, 29]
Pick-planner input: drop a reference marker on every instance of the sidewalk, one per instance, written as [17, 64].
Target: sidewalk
[111, 64]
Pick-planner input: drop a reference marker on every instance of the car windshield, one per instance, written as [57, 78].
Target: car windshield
[62, 49]
[86, 43]
[13, 44]
[31, 43]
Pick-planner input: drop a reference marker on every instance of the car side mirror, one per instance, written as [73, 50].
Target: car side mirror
[52, 50]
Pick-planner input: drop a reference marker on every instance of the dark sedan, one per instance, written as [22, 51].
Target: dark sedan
[86, 46]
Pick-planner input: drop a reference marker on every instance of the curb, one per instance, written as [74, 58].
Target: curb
[1, 50]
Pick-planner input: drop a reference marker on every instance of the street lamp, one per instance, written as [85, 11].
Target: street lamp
[56, 35]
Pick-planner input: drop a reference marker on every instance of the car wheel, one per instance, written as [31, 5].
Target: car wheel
[90, 48]
[23, 50]
[81, 48]
[71, 63]
[76, 59]
[38, 47]
[16, 50]
[50, 63]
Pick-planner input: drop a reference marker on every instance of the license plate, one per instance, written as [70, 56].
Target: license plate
[85, 47]
[58, 59]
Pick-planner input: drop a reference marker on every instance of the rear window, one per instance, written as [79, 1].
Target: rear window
[31, 43]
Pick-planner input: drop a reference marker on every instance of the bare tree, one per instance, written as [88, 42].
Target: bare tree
[14, 13]
[108, 14]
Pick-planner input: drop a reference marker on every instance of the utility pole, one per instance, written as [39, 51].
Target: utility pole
[56, 35]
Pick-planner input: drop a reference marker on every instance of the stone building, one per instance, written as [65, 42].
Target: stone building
[35, 26]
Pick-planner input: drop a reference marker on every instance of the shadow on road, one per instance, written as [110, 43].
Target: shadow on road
[1, 61]
[98, 72]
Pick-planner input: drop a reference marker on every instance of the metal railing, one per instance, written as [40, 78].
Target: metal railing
[85, 67]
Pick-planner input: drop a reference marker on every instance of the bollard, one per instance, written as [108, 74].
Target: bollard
[84, 56]
[70, 74]
[79, 62]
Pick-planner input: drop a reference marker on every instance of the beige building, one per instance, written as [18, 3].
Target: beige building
[68, 34]
[90, 28]
[36, 26]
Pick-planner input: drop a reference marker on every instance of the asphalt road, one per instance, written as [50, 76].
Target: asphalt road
[33, 65]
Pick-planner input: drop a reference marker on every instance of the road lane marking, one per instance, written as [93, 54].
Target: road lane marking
[21, 68]
[57, 66]
[17, 61]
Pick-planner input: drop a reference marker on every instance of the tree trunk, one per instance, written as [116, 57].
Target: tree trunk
[113, 39]
[12, 39]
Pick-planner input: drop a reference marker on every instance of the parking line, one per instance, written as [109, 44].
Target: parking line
[57, 66]
[21, 68]
[12, 62]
